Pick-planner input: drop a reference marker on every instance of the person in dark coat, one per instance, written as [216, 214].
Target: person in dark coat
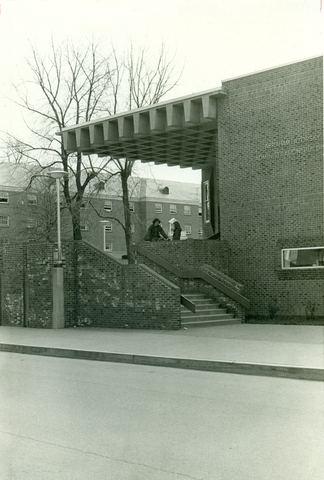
[176, 229]
[155, 231]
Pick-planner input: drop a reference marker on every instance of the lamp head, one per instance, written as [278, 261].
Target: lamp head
[57, 173]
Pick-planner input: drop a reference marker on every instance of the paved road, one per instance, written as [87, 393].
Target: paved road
[72, 419]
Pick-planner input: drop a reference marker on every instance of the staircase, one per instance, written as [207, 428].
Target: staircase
[207, 314]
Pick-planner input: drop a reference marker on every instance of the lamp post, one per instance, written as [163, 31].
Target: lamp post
[58, 174]
[57, 274]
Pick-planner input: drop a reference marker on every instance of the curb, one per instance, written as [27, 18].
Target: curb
[240, 368]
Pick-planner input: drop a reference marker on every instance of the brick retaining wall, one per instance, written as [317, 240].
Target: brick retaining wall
[192, 253]
[99, 291]
[195, 255]
[114, 295]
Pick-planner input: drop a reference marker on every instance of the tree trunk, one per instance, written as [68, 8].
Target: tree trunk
[77, 234]
[127, 216]
[76, 218]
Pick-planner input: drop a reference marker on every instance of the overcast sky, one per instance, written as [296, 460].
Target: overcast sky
[213, 39]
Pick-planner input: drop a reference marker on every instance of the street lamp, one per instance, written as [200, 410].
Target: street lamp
[58, 277]
[58, 174]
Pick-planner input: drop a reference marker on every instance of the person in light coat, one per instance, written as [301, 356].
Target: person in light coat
[176, 229]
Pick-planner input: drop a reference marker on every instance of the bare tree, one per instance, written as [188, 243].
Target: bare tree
[69, 86]
[147, 82]
[72, 85]
[40, 220]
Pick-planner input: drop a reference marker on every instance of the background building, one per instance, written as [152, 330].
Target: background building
[149, 199]
[30, 215]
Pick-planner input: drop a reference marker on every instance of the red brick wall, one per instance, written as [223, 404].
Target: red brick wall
[192, 253]
[12, 285]
[114, 295]
[270, 163]
[38, 275]
[99, 291]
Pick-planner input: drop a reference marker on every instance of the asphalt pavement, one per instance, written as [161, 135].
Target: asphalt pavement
[63, 419]
[289, 351]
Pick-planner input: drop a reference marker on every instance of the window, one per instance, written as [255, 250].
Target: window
[108, 246]
[200, 211]
[31, 222]
[131, 207]
[4, 197]
[31, 199]
[4, 220]
[187, 229]
[206, 201]
[4, 240]
[108, 226]
[200, 232]
[108, 205]
[308, 257]
[158, 208]
[132, 228]
[187, 210]
[173, 209]
[84, 226]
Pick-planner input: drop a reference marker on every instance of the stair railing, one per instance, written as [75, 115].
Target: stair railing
[194, 273]
[187, 303]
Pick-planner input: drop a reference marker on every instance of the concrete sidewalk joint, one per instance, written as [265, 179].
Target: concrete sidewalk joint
[241, 368]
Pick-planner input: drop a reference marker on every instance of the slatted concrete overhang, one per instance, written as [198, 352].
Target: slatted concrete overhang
[179, 132]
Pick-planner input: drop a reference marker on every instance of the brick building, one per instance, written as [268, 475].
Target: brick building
[149, 199]
[259, 143]
[30, 215]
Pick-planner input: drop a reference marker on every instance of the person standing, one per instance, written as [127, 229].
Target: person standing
[176, 229]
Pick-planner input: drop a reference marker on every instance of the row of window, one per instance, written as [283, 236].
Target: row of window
[32, 222]
[4, 221]
[173, 209]
[158, 208]
[31, 198]
[108, 205]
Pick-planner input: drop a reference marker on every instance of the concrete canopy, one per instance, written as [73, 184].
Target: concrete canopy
[178, 132]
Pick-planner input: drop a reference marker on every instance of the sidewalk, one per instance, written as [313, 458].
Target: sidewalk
[273, 350]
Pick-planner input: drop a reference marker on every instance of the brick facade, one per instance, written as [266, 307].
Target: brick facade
[269, 181]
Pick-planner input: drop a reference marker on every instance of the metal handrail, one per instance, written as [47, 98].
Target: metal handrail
[193, 273]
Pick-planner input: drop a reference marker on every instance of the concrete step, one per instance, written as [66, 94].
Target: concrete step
[206, 310]
[212, 316]
[207, 313]
[199, 299]
[196, 295]
[210, 323]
